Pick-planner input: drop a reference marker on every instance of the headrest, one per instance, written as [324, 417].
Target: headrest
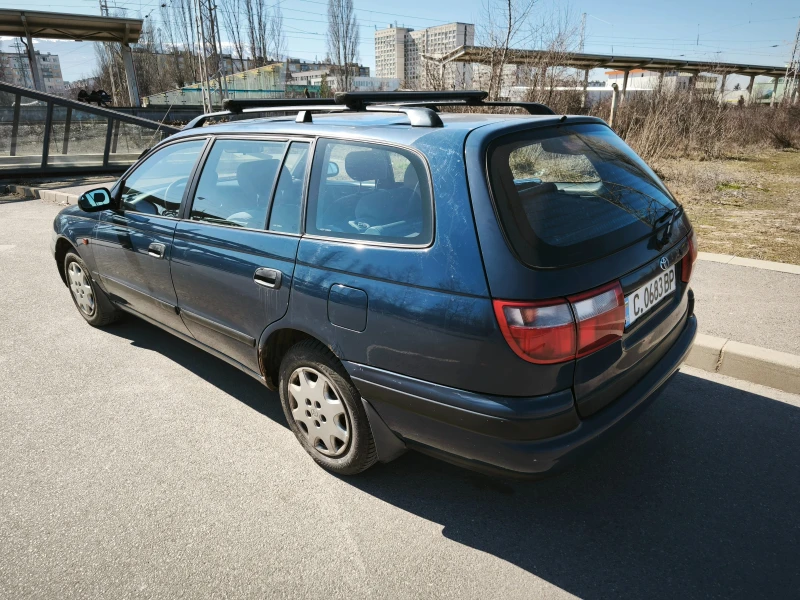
[410, 178]
[367, 165]
[255, 177]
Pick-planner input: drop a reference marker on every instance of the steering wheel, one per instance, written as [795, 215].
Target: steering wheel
[175, 190]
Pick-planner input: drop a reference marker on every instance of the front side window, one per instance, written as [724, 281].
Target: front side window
[156, 187]
[236, 183]
[369, 192]
[572, 194]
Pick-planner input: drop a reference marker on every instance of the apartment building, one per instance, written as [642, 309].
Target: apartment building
[16, 70]
[400, 53]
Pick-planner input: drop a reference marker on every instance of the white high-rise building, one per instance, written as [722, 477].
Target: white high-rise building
[399, 53]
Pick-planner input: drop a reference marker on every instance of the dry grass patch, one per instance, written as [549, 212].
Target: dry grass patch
[747, 206]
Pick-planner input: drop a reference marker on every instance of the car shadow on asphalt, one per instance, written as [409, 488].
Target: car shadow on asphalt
[697, 498]
[217, 372]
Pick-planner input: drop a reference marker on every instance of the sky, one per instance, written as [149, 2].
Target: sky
[725, 30]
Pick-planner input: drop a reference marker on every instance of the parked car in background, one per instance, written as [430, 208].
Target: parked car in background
[501, 291]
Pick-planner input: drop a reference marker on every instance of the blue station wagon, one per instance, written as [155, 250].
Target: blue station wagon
[407, 270]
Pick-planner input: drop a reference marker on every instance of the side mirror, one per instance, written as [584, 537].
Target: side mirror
[95, 200]
[333, 169]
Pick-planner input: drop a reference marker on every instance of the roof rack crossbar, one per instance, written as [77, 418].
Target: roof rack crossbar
[289, 108]
[533, 108]
[239, 106]
[359, 100]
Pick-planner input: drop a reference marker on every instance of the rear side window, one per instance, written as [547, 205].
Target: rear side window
[572, 194]
[369, 192]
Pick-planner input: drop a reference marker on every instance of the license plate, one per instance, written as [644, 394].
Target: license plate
[643, 300]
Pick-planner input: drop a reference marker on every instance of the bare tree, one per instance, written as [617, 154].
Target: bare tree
[277, 41]
[177, 64]
[343, 41]
[183, 20]
[231, 11]
[556, 34]
[257, 15]
[502, 29]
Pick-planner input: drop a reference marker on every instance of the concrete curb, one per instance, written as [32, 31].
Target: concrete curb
[779, 370]
[59, 196]
[23, 190]
[729, 259]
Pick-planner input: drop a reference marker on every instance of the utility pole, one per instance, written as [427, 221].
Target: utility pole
[583, 32]
[222, 65]
[109, 50]
[792, 77]
[22, 68]
[211, 46]
[201, 56]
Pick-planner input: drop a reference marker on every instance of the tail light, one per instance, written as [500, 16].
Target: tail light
[560, 330]
[539, 332]
[600, 315]
[687, 262]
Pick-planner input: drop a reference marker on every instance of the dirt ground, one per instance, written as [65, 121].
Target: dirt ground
[746, 206]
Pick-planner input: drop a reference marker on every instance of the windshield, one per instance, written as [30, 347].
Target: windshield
[574, 193]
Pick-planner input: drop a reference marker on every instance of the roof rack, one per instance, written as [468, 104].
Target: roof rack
[420, 107]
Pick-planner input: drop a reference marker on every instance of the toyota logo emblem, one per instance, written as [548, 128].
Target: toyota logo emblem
[664, 262]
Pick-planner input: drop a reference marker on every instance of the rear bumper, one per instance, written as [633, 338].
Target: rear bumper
[513, 436]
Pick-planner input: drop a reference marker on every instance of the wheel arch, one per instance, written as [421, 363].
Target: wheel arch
[275, 344]
[63, 245]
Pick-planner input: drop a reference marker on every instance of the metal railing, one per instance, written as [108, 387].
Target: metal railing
[43, 134]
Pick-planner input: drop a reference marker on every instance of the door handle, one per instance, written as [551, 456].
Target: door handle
[270, 278]
[119, 220]
[157, 250]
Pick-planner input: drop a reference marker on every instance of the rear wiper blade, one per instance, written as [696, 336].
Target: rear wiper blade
[673, 214]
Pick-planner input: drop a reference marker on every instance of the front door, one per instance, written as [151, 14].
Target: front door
[234, 254]
[133, 244]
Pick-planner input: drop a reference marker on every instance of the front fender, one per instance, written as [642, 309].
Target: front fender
[74, 229]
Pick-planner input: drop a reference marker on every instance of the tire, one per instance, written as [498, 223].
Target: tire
[324, 409]
[91, 302]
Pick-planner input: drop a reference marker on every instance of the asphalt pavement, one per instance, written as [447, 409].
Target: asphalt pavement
[134, 465]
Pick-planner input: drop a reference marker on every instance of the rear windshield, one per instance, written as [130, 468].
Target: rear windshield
[571, 194]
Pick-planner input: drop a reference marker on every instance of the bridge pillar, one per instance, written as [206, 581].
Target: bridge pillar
[625, 83]
[722, 88]
[774, 90]
[584, 85]
[130, 75]
[38, 82]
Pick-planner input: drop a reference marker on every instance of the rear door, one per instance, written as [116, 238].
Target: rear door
[133, 245]
[234, 251]
[571, 213]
